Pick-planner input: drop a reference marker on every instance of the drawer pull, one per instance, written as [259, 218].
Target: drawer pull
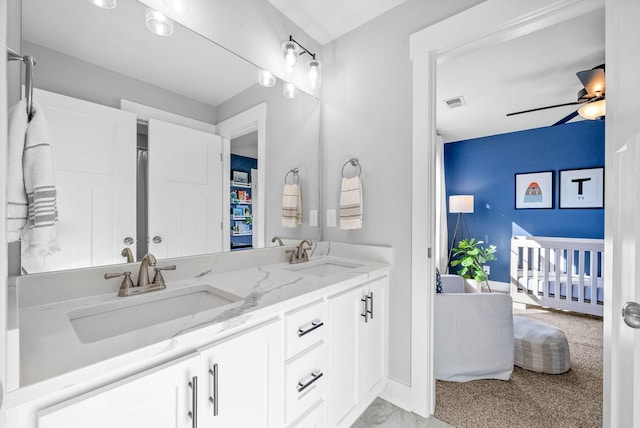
[370, 311]
[213, 399]
[314, 325]
[314, 377]
[365, 312]
[194, 402]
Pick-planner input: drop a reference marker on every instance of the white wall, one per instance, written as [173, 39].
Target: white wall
[366, 113]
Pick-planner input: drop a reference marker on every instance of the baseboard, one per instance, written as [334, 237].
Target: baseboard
[501, 287]
[398, 394]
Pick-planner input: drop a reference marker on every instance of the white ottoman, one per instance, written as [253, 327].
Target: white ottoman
[540, 347]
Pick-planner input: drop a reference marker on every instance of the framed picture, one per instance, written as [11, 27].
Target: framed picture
[238, 212]
[241, 177]
[534, 190]
[582, 188]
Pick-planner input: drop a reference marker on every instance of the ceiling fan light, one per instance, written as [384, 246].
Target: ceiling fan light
[593, 110]
[105, 4]
[266, 79]
[158, 23]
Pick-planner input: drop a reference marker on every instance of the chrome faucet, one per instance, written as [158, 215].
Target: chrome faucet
[127, 288]
[299, 255]
[143, 275]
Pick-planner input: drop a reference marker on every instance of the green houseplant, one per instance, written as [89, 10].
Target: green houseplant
[470, 255]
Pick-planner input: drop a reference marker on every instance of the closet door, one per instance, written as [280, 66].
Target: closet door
[185, 190]
[94, 152]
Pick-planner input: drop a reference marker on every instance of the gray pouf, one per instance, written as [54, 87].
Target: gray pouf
[540, 347]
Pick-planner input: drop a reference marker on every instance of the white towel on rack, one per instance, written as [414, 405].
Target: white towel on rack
[291, 205]
[351, 204]
[32, 209]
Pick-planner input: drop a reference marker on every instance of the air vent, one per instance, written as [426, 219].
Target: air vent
[455, 102]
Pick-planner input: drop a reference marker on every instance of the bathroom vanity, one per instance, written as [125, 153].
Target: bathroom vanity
[235, 339]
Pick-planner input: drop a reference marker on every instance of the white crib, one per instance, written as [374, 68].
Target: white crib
[561, 273]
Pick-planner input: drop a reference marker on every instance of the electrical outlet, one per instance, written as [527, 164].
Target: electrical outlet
[313, 218]
[487, 269]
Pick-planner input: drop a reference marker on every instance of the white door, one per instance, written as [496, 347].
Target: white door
[622, 222]
[185, 190]
[159, 398]
[94, 152]
[244, 386]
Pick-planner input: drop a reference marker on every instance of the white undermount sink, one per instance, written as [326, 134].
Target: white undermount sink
[324, 267]
[132, 313]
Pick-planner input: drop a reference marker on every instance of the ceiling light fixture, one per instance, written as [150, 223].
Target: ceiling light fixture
[105, 4]
[593, 110]
[266, 79]
[291, 51]
[158, 23]
[180, 6]
[290, 91]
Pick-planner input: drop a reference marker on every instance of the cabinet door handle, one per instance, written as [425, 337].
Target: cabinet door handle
[193, 414]
[314, 325]
[213, 371]
[370, 298]
[365, 312]
[314, 377]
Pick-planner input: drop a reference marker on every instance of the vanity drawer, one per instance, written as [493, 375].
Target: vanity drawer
[314, 419]
[305, 327]
[305, 380]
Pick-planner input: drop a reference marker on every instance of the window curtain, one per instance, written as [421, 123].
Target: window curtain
[442, 234]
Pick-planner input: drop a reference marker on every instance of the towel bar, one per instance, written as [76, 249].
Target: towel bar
[28, 78]
[354, 162]
[293, 171]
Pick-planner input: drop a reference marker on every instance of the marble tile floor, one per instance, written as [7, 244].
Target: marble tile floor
[382, 414]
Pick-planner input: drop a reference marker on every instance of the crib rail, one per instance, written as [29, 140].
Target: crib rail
[562, 273]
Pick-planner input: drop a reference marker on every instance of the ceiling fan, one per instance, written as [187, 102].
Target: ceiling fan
[591, 97]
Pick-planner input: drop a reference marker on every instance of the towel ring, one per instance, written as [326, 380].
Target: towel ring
[353, 162]
[293, 171]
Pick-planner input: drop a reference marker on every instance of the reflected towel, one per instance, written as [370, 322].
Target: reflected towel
[34, 213]
[351, 204]
[291, 206]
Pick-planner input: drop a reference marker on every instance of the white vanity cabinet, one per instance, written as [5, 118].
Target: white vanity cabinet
[357, 350]
[243, 380]
[159, 398]
[237, 384]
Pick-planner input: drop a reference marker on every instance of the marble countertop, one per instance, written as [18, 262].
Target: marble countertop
[52, 355]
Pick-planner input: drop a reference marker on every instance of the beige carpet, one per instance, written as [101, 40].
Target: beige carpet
[530, 399]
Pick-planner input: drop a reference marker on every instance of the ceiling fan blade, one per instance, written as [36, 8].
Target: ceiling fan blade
[593, 80]
[566, 119]
[543, 108]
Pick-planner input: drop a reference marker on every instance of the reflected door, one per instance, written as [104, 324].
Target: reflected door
[94, 149]
[185, 190]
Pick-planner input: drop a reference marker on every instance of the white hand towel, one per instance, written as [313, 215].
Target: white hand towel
[16, 195]
[351, 204]
[291, 205]
[39, 234]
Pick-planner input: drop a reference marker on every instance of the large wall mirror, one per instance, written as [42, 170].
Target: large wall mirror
[163, 144]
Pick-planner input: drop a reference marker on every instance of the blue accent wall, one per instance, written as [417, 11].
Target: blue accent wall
[486, 167]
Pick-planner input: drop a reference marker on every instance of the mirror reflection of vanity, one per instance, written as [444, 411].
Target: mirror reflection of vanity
[182, 85]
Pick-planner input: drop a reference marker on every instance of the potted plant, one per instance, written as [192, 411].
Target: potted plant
[470, 255]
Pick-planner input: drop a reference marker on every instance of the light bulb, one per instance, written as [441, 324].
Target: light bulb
[105, 4]
[158, 23]
[290, 53]
[315, 79]
[180, 6]
[266, 79]
[290, 91]
[593, 110]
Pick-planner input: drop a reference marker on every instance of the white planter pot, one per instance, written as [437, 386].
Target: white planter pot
[472, 286]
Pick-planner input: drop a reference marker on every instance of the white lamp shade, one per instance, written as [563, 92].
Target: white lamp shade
[266, 79]
[158, 23]
[461, 204]
[105, 4]
[593, 110]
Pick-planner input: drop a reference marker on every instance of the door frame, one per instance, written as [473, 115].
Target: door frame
[489, 23]
[250, 120]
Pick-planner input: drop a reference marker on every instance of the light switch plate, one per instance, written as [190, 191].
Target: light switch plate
[313, 218]
[331, 218]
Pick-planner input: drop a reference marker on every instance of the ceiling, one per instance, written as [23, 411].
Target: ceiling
[327, 20]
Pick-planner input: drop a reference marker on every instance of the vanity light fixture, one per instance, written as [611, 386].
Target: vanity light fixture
[105, 4]
[266, 79]
[158, 23]
[291, 51]
[180, 6]
[290, 91]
